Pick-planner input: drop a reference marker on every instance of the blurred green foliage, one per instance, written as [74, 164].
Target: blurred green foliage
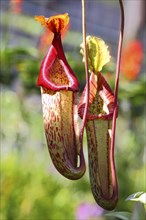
[20, 61]
[29, 193]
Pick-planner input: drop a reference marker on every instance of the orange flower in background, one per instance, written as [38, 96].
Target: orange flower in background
[16, 6]
[45, 40]
[131, 61]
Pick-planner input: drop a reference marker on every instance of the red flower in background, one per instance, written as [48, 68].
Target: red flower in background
[45, 40]
[132, 59]
[16, 6]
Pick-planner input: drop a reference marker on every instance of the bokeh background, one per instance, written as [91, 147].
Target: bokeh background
[31, 188]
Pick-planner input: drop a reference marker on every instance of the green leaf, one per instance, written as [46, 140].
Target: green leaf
[120, 215]
[138, 197]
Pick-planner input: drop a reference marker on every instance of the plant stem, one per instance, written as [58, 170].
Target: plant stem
[86, 64]
[118, 71]
[119, 50]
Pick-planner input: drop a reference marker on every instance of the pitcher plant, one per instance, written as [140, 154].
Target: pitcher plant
[97, 107]
[59, 88]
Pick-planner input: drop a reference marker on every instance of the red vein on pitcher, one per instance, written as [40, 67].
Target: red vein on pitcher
[59, 87]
